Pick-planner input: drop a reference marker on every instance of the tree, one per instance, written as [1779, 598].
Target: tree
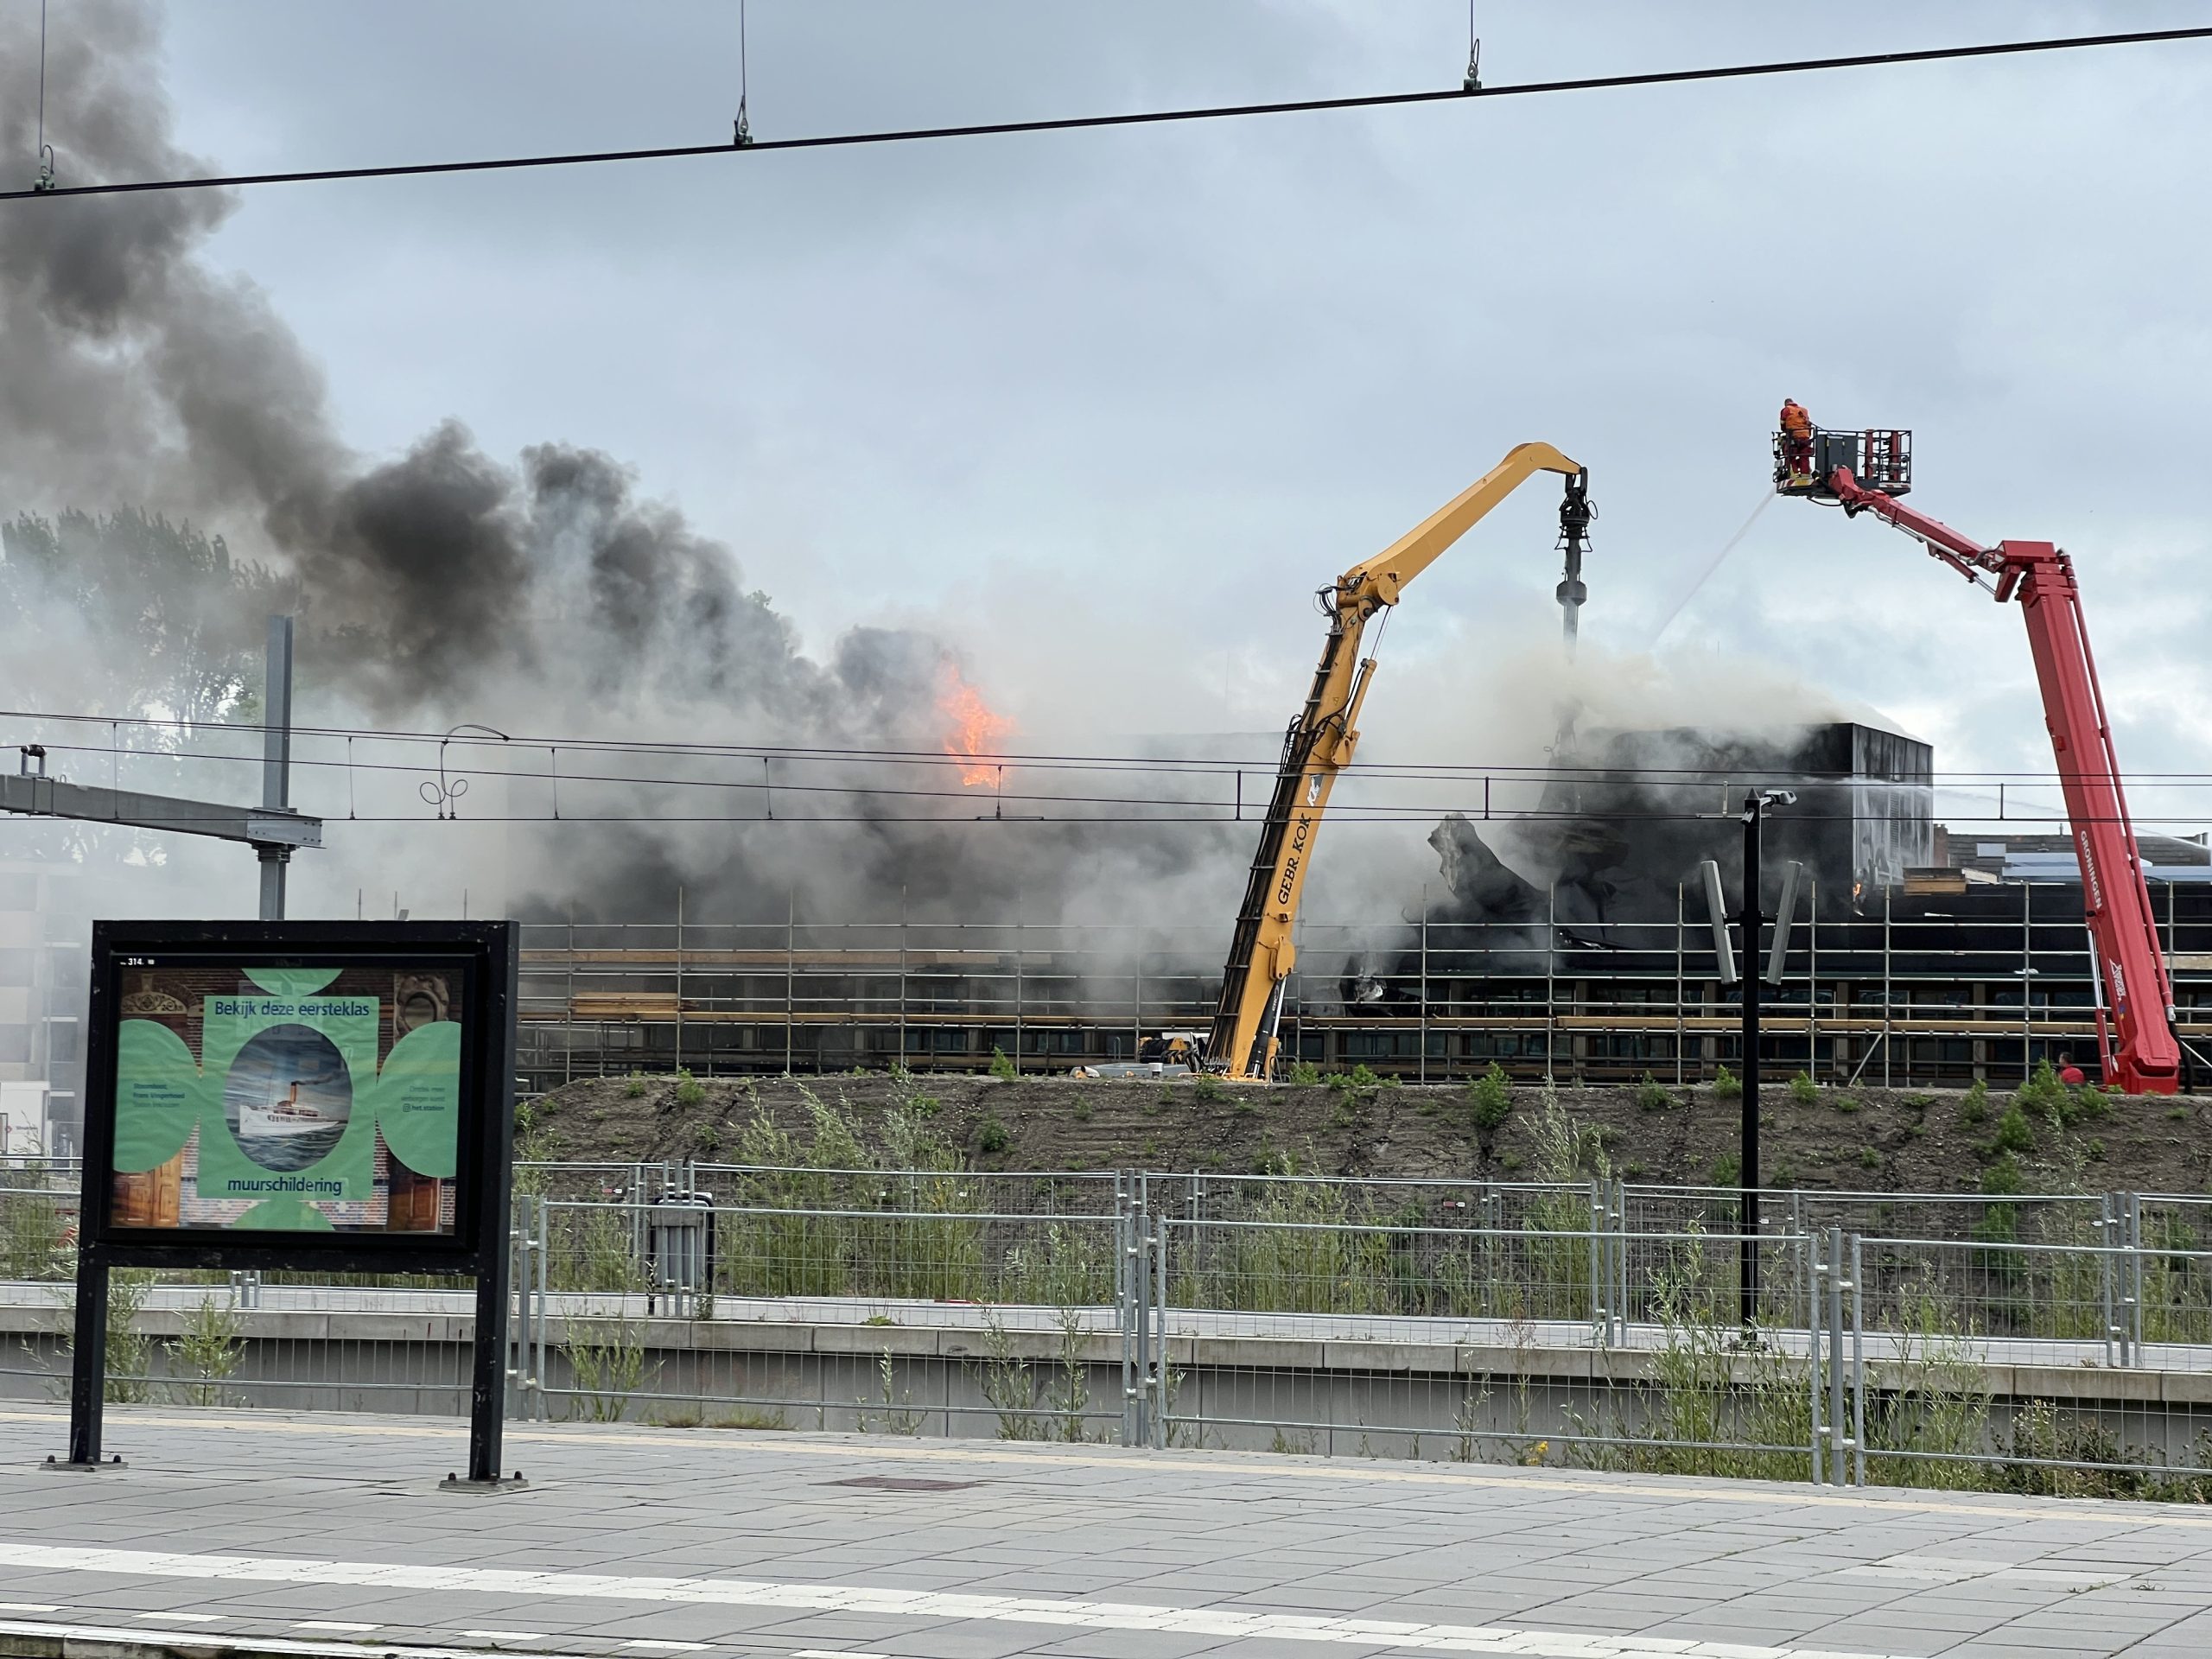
[133, 618]
[174, 623]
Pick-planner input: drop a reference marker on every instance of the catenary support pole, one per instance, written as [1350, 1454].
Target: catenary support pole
[276, 761]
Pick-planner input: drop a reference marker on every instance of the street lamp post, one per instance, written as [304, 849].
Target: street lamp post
[1751, 920]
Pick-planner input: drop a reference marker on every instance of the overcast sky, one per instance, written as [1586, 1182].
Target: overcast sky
[1105, 407]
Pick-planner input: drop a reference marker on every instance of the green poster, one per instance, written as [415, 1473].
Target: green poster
[322, 1098]
[298, 1079]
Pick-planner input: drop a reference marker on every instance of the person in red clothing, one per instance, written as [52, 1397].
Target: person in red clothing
[1796, 437]
[2070, 1074]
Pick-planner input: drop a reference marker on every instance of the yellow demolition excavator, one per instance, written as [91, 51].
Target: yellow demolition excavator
[1319, 743]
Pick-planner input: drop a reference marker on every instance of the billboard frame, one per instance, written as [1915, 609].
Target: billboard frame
[485, 953]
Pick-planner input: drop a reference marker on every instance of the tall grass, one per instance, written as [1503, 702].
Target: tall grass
[33, 1231]
[876, 1207]
[1711, 1405]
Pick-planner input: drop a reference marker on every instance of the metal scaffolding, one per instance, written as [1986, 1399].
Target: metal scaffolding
[1914, 990]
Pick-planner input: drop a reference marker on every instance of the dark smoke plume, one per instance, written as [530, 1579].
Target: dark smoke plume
[124, 361]
[544, 596]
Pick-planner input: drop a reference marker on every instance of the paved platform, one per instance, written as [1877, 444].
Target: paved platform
[318, 1535]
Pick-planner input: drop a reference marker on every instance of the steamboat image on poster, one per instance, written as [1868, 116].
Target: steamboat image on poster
[287, 1099]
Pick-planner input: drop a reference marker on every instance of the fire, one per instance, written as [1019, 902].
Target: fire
[977, 731]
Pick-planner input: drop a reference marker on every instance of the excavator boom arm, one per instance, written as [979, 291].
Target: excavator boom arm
[1397, 564]
[1319, 744]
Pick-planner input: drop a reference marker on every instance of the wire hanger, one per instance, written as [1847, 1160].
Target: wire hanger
[743, 135]
[45, 180]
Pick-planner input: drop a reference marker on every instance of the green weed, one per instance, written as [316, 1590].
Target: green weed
[210, 1346]
[1974, 1106]
[2014, 1134]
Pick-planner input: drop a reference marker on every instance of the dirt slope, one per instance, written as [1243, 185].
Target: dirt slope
[1860, 1140]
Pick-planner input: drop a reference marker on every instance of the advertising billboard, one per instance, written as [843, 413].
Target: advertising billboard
[285, 1089]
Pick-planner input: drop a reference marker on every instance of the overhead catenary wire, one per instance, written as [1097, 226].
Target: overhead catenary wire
[1657, 777]
[1398, 771]
[898, 803]
[1339, 817]
[1136, 118]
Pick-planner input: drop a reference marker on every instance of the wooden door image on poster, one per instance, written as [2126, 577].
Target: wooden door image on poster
[413, 1206]
[152, 1198]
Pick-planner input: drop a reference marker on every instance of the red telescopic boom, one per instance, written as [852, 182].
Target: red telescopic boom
[2139, 1050]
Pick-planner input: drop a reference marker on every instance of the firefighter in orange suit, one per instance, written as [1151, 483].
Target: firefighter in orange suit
[1796, 437]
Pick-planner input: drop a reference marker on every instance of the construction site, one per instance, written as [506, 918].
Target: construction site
[1901, 953]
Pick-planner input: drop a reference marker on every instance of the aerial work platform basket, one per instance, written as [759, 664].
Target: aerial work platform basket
[1881, 459]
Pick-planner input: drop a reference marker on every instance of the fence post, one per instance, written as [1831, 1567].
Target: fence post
[1857, 1363]
[517, 1359]
[1620, 1258]
[2106, 1220]
[1157, 1237]
[1839, 1473]
[1600, 1319]
[2134, 1212]
[544, 1301]
[1125, 1312]
[1816, 1270]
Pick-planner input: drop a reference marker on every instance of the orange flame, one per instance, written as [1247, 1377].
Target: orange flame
[977, 731]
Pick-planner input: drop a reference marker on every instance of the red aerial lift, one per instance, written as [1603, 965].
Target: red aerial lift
[1867, 471]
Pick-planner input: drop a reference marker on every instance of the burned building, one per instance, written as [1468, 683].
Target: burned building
[1623, 827]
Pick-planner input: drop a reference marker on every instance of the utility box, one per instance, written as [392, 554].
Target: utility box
[679, 1252]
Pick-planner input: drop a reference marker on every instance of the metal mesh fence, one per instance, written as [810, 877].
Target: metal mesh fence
[2056, 1344]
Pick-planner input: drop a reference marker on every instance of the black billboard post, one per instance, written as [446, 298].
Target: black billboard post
[308, 1096]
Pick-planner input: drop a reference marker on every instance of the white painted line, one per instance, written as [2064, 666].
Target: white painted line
[1229, 1624]
[110, 1637]
[333, 1624]
[184, 1619]
[28, 1607]
[645, 1646]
